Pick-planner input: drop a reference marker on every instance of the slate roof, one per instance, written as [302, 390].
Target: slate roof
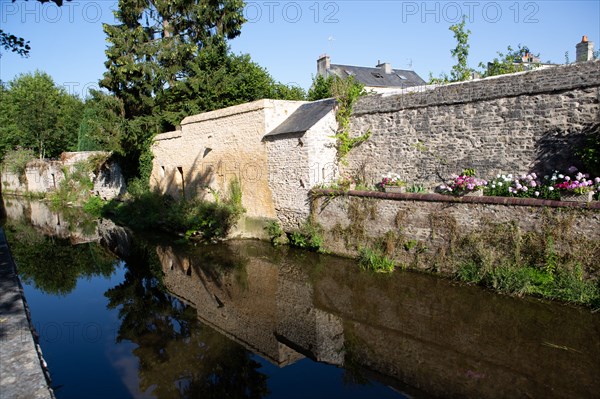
[304, 117]
[376, 77]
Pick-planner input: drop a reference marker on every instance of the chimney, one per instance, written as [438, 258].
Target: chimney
[323, 65]
[584, 50]
[386, 67]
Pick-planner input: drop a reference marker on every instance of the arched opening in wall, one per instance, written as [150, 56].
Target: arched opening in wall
[53, 180]
[162, 171]
[180, 170]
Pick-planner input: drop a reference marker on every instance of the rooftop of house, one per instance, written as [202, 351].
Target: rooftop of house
[381, 75]
[304, 117]
[377, 77]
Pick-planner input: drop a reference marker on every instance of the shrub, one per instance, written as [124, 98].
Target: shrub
[310, 236]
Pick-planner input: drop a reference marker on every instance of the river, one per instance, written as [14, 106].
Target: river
[144, 316]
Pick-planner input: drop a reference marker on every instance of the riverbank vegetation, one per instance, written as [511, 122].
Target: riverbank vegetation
[195, 219]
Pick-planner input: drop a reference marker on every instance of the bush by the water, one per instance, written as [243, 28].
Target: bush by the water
[194, 217]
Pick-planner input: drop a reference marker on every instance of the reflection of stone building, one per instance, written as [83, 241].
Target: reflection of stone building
[266, 308]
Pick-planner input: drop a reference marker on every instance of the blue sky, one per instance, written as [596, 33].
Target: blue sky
[287, 37]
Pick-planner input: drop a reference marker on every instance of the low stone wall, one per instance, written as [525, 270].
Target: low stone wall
[424, 231]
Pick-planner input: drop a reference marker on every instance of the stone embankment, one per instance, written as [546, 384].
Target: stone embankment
[23, 373]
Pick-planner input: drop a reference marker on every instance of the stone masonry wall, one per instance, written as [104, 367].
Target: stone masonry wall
[434, 222]
[45, 176]
[529, 121]
[216, 147]
[297, 163]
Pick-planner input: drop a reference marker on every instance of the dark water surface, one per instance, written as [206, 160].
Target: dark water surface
[122, 316]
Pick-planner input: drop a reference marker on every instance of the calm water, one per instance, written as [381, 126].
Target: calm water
[246, 320]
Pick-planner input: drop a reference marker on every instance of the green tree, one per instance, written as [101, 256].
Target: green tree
[510, 62]
[102, 124]
[157, 42]
[168, 59]
[460, 71]
[37, 114]
[321, 88]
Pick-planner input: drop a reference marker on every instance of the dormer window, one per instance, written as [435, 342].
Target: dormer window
[377, 75]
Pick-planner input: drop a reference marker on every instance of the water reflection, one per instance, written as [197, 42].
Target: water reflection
[198, 315]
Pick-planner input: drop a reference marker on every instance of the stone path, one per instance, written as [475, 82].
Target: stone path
[21, 372]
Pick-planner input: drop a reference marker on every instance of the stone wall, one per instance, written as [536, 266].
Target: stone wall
[45, 176]
[297, 163]
[529, 121]
[417, 230]
[214, 148]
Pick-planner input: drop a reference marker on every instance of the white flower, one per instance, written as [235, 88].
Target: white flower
[561, 176]
[537, 193]
[499, 184]
[550, 188]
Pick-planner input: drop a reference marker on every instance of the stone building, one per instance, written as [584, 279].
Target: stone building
[380, 79]
[273, 148]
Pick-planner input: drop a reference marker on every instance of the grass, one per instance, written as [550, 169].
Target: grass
[567, 285]
[375, 261]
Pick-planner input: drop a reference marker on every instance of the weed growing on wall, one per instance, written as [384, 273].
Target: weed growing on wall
[310, 236]
[76, 186]
[556, 260]
[347, 91]
[275, 233]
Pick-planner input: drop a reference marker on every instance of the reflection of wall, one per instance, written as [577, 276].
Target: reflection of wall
[265, 307]
[462, 341]
[50, 222]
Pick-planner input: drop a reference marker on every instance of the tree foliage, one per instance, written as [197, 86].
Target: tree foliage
[460, 71]
[168, 59]
[36, 114]
[509, 62]
[102, 124]
[321, 88]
